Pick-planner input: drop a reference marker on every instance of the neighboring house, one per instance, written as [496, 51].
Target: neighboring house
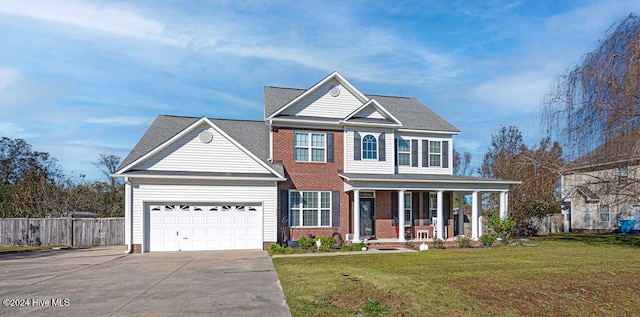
[601, 187]
[325, 159]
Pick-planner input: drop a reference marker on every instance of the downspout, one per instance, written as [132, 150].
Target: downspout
[127, 215]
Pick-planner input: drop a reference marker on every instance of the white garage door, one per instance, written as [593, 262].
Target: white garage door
[189, 227]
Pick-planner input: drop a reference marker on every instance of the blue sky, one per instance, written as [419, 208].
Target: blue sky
[80, 78]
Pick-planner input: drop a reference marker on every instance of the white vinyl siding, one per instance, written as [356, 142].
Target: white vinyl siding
[369, 166]
[190, 154]
[420, 169]
[177, 191]
[320, 103]
[369, 112]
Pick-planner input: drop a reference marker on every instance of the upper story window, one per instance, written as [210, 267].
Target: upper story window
[404, 152]
[435, 153]
[623, 175]
[310, 147]
[369, 147]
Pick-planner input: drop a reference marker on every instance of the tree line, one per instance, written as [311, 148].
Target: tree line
[32, 184]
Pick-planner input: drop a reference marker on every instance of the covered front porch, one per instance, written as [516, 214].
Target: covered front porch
[419, 207]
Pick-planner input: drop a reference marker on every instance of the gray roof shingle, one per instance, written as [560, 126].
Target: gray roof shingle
[411, 112]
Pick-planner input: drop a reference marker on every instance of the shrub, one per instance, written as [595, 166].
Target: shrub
[463, 242]
[305, 243]
[278, 249]
[487, 239]
[346, 248]
[438, 244]
[358, 246]
[502, 228]
[327, 242]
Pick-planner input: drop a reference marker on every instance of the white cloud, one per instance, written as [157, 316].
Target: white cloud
[8, 77]
[91, 16]
[119, 120]
[521, 92]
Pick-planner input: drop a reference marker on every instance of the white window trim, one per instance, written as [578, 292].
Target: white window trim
[375, 152]
[310, 147]
[398, 152]
[433, 153]
[433, 199]
[604, 209]
[318, 208]
[410, 209]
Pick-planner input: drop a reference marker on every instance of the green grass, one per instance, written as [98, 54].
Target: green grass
[568, 275]
[24, 248]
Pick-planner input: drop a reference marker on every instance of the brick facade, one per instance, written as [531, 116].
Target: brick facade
[324, 176]
[312, 176]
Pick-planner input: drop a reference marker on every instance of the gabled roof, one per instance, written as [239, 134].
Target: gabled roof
[409, 111]
[620, 151]
[588, 195]
[389, 118]
[333, 76]
[252, 135]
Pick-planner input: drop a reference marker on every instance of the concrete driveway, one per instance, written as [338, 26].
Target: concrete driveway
[103, 281]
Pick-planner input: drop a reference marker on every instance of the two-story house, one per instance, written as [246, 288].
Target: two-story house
[325, 159]
[600, 188]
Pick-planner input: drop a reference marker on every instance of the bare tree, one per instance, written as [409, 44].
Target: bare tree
[538, 168]
[598, 100]
[461, 164]
[108, 164]
[595, 112]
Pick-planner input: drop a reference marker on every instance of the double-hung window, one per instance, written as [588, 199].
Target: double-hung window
[369, 147]
[435, 153]
[623, 175]
[310, 147]
[433, 206]
[310, 208]
[604, 213]
[404, 152]
[407, 209]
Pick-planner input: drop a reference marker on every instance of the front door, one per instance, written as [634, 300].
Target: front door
[367, 218]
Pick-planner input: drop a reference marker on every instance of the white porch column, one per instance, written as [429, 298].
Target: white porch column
[356, 216]
[401, 237]
[440, 224]
[474, 216]
[503, 206]
[461, 214]
[127, 216]
[506, 203]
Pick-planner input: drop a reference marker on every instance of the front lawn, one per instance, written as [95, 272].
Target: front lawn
[568, 275]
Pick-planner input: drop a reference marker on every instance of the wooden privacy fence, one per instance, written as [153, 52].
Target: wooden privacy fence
[75, 232]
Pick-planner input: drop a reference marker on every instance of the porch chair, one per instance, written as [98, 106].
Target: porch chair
[434, 223]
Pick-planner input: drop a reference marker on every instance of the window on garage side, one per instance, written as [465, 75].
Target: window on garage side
[310, 208]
